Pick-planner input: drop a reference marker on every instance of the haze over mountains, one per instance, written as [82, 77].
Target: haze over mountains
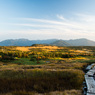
[26, 42]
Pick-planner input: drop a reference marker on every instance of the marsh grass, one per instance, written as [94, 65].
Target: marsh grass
[40, 81]
[65, 92]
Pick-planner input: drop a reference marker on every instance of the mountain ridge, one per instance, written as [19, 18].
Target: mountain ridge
[60, 43]
[57, 42]
[81, 42]
[24, 42]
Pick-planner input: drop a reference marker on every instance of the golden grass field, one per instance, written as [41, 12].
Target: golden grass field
[39, 47]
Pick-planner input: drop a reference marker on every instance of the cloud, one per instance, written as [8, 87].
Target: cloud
[60, 17]
[81, 25]
[43, 21]
[47, 23]
[55, 24]
[86, 17]
[50, 34]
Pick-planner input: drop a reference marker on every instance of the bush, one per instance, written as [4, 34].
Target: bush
[6, 57]
[32, 58]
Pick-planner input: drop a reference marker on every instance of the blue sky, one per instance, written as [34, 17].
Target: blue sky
[47, 19]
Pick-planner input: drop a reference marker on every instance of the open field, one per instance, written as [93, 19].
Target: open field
[43, 69]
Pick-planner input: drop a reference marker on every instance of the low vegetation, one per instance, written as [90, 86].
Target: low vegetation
[40, 80]
[43, 69]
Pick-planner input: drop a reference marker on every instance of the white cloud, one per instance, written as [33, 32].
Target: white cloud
[61, 25]
[60, 17]
[50, 33]
[86, 17]
[80, 27]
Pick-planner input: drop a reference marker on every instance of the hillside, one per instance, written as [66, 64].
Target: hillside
[81, 42]
[60, 43]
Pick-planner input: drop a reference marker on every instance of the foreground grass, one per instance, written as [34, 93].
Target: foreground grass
[40, 80]
[66, 92]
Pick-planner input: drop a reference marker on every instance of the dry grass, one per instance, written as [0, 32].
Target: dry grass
[72, 92]
[49, 48]
[49, 66]
[22, 48]
[66, 92]
[40, 80]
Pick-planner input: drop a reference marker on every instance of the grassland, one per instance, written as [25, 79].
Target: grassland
[26, 61]
[43, 70]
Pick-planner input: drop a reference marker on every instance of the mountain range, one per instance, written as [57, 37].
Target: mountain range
[56, 42]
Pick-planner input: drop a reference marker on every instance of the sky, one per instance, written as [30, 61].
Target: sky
[47, 19]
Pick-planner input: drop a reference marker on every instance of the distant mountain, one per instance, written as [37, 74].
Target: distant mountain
[81, 42]
[16, 42]
[48, 41]
[60, 43]
[26, 42]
